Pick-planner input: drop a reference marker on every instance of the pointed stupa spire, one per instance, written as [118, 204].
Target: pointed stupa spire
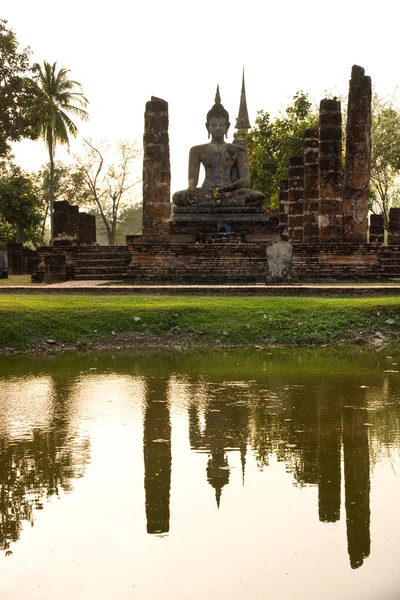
[242, 122]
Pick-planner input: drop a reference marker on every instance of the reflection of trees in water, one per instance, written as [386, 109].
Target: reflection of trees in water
[34, 469]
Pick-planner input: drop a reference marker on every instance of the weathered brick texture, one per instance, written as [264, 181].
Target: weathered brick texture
[330, 201]
[156, 172]
[376, 229]
[310, 219]
[283, 210]
[394, 226]
[358, 158]
[295, 198]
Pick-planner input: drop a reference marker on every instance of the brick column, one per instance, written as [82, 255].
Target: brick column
[376, 229]
[394, 226]
[330, 202]
[156, 172]
[295, 198]
[358, 158]
[283, 210]
[311, 140]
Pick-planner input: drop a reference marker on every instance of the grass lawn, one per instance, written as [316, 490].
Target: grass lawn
[26, 320]
[16, 280]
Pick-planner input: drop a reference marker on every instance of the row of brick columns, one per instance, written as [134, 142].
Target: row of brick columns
[316, 203]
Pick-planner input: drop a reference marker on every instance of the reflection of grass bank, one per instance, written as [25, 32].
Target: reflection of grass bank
[29, 320]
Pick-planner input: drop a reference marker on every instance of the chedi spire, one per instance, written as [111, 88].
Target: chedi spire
[242, 121]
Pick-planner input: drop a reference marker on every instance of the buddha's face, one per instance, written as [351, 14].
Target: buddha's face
[217, 127]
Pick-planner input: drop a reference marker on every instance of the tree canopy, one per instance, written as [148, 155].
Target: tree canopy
[273, 141]
[20, 206]
[108, 181]
[385, 156]
[18, 91]
[59, 96]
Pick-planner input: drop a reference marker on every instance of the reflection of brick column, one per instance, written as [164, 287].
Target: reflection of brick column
[358, 158]
[329, 442]
[311, 186]
[295, 198]
[330, 202]
[394, 226]
[283, 209]
[156, 172]
[376, 228]
[356, 480]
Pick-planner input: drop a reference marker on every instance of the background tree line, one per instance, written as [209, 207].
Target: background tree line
[41, 102]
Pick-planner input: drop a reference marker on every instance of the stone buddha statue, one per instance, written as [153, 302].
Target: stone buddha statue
[226, 169]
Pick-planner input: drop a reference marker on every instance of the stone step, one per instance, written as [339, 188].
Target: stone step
[99, 276]
[102, 256]
[123, 262]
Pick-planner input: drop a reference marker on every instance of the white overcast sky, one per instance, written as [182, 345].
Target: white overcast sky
[124, 52]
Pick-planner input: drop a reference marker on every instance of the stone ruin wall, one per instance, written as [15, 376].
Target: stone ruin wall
[331, 205]
[72, 226]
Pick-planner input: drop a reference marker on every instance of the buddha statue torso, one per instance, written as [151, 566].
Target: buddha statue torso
[226, 168]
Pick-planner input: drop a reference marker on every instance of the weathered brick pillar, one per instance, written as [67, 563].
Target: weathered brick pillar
[295, 199]
[394, 226]
[311, 140]
[330, 202]
[358, 158]
[156, 172]
[15, 258]
[376, 229]
[93, 237]
[283, 210]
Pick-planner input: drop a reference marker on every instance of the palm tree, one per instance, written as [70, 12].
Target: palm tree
[58, 95]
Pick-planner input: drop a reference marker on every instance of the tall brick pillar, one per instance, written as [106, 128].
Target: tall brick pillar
[156, 172]
[311, 140]
[330, 201]
[358, 158]
[283, 209]
[295, 198]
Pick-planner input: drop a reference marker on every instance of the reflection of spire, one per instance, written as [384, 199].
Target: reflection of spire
[242, 122]
[243, 461]
[356, 482]
[218, 471]
[157, 456]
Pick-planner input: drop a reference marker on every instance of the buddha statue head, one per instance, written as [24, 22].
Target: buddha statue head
[217, 120]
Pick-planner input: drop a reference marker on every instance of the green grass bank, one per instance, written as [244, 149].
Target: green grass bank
[28, 321]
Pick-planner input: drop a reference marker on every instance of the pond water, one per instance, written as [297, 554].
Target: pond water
[263, 473]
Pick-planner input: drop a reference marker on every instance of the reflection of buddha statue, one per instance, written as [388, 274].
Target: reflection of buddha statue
[226, 166]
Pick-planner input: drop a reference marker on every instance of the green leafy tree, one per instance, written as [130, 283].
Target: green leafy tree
[17, 91]
[20, 206]
[273, 141]
[59, 96]
[385, 156]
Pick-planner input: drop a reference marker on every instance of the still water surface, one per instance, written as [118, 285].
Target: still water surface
[206, 475]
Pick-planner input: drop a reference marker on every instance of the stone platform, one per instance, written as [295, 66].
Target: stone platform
[251, 223]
